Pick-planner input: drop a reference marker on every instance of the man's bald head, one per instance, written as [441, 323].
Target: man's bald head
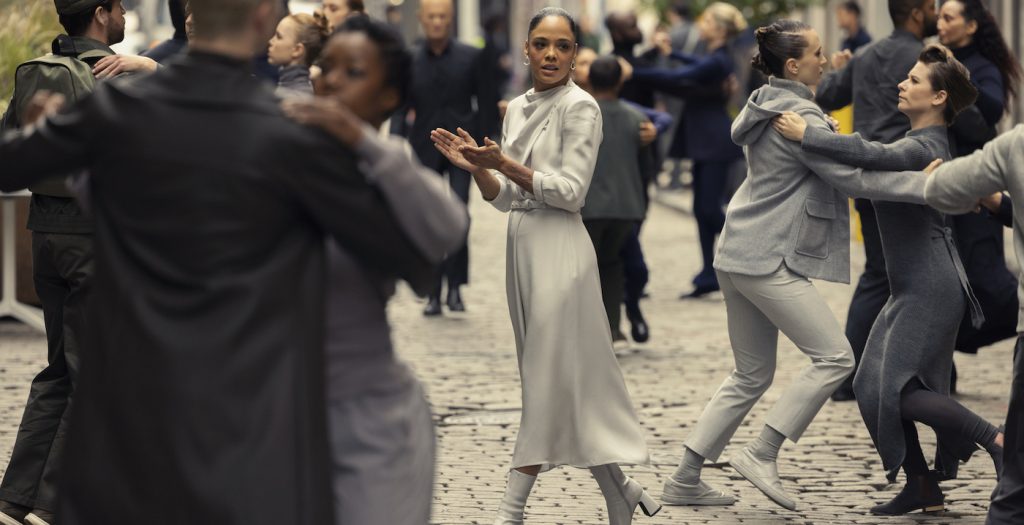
[436, 18]
[224, 18]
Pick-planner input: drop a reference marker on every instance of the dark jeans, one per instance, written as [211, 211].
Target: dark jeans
[1008, 504]
[709, 181]
[872, 289]
[637, 274]
[62, 271]
[455, 268]
[608, 236]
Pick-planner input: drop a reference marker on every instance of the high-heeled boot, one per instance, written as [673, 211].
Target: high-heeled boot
[510, 510]
[622, 495]
[921, 492]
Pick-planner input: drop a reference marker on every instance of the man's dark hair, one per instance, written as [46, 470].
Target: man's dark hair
[682, 8]
[357, 6]
[605, 74]
[395, 57]
[899, 10]
[851, 6]
[78, 23]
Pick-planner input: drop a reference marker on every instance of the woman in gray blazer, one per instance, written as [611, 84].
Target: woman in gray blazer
[905, 372]
[787, 224]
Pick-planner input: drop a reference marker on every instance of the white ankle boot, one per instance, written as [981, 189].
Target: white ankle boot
[622, 495]
[510, 511]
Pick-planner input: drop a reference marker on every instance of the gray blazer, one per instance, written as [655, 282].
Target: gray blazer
[793, 208]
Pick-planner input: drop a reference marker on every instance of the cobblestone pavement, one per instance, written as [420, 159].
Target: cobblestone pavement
[467, 362]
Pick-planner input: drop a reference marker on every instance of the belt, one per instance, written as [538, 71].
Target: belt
[530, 205]
[977, 316]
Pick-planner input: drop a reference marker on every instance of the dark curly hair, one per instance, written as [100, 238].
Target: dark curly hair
[777, 43]
[992, 46]
[396, 58]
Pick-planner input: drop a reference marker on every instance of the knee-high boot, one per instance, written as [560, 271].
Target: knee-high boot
[622, 494]
[510, 511]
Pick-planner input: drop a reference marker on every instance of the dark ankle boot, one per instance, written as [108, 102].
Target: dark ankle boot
[455, 300]
[921, 492]
[433, 307]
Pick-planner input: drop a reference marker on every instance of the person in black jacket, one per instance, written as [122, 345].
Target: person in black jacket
[447, 77]
[970, 30]
[202, 397]
[62, 271]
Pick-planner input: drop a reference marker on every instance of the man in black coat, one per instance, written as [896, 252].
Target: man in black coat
[448, 77]
[201, 399]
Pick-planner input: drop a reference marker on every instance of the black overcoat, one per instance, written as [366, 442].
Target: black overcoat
[202, 394]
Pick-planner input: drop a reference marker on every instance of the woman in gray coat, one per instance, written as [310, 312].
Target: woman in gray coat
[905, 372]
[787, 224]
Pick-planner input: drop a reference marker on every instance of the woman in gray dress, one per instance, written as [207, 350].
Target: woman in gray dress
[904, 375]
[576, 408]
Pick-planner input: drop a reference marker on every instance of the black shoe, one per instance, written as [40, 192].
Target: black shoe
[639, 329]
[455, 300]
[12, 513]
[844, 394]
[433, 307]
[920, 493]
[700, 291]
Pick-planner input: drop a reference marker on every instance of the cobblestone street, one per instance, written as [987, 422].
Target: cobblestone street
[467, 363]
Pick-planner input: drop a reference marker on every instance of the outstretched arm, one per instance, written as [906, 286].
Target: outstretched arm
[903, 155]
[956, 186]
[57, 146]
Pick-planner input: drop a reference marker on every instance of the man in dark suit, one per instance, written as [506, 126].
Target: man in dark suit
[202, 397]
[448, 77]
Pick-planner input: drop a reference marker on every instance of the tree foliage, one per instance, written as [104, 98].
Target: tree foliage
[758, 12]
[28, 28]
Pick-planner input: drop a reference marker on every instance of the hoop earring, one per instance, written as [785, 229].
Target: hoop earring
[527, 62]
[573, 65]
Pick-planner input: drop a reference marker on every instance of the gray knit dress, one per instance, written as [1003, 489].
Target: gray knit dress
[914, 334]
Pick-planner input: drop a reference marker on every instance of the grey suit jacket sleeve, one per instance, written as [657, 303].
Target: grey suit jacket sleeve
[906, 186]
[433, 218]
[904, 154]
[956, 186]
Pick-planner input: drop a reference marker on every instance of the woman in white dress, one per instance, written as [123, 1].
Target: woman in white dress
[576, 409]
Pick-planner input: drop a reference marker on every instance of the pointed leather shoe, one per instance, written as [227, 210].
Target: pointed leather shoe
[921, 493]
[676, 493]
[638, 326]
[764, 476]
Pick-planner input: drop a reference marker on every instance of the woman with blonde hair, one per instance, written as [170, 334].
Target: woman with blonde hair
[294, 48]
[704, 129]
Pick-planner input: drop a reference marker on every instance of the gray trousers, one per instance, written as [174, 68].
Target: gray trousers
[758, 308]
[382, 454]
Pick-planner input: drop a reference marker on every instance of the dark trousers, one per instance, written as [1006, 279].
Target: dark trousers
[872, 289]
[637, 274]
[62, 271]
[608, 236]
[1007, 506]
[455, 268]
[709, 181]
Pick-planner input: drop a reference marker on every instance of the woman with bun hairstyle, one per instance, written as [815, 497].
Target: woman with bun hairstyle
[576, 408]
[787, 224]
[294, 48]
[904, 374]
[705, 122]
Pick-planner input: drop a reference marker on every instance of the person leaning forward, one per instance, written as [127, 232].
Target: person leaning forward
[62, 263]
[202, 398]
